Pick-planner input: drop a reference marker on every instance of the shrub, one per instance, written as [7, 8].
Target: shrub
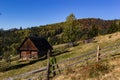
[4, 66]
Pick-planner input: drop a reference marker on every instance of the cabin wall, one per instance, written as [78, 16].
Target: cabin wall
[25, 55]
[34, 54]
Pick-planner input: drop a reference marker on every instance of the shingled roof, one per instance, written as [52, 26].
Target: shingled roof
[39, 42]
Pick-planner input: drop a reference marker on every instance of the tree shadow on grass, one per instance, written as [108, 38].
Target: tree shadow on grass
[17, 66]
[20, 65]
[59, 53]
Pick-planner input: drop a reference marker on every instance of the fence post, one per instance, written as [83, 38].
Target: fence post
[98, 53]
[48, 64]
[55, 66]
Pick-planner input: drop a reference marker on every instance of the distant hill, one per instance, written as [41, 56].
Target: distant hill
[54, 33]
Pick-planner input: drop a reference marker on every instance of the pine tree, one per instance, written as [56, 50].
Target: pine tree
[93, 32]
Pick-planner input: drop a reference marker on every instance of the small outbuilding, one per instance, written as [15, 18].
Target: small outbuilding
[34, 47]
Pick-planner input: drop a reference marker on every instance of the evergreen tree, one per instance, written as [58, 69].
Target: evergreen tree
[20, 27]
[93, 32]
[70, 18]
[113, 28]
[70, 32]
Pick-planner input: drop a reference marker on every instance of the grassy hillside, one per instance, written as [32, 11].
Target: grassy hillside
[55, 33]
[63, 53]
[79, 73]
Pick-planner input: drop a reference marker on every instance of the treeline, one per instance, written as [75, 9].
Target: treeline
[69, 31]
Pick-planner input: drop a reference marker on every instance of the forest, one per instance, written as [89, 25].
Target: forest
[64, 32]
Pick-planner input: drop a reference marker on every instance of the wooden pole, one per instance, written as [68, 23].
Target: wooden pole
[48, 64]
[57, 64]
[98, 53]
[53, 67]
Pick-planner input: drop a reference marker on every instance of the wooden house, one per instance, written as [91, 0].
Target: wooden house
[34, 47]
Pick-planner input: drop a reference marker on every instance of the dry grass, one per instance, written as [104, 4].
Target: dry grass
[21, 70]
[108, 37]
[115, 73]
[74, 72]
[57, 46]
[78, 73]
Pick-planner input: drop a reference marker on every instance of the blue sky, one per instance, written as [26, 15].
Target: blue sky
[29, 13]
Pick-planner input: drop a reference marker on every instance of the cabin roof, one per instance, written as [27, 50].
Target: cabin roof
[39, 42]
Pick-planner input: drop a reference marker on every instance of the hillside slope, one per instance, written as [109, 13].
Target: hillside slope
[73, 73]
[76, 73]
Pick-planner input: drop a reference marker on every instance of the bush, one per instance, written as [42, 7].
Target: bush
[4, 66]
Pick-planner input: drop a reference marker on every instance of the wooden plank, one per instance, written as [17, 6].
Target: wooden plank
[48, 64]
[109, 52]
[98, 53]
[107, 47]
[73, 64]
[26, 74]
[81, 56]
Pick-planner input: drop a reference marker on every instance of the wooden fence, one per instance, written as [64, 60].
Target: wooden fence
[95, 55]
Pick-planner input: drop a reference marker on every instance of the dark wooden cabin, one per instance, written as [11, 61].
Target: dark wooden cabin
[34, 47]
